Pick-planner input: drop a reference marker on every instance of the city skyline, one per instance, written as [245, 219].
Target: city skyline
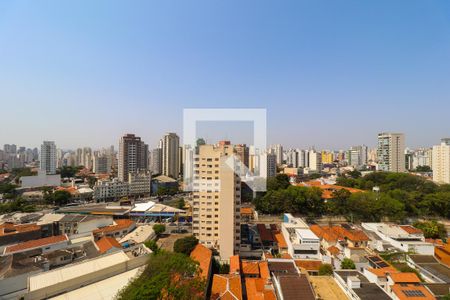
[325, 77]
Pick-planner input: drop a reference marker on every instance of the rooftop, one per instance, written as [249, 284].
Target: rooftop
[120, 225]
[411, 292]
[203, 256]
[326, 288]
[226, 286]
[367, 291]
[106, 243]
[257, 290]
[295, 287]
[30, 245]
[46, 279]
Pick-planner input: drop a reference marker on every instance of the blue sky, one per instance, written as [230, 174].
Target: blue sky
[330, 73]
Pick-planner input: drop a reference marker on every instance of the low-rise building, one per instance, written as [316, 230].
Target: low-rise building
[47, 244]
[301, 242]
[404, 238]
[107, 245]
[120, 228]
[80, 224]
[358, 287]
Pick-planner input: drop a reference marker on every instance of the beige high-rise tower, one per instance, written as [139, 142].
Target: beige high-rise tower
[217, 199]
[441, 162]
[171, 155]
[391, 152]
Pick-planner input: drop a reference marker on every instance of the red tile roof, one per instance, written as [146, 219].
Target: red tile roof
[226, 286]
[256, 289]
[264, 270]
[246, 211]
[204, 257]
[279, 238]
[264, 233]
[403, 292]
[10, 228]
[34, 244]
[106, 243]
[410, 229]
[250, 268]
[334, 250]
[407, 277]
[120, 224]
[235, 264]
[309, 265]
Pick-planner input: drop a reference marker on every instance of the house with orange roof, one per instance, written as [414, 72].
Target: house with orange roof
[308, 266]
[226, 286]
[14, 233]
[329, 189]
[46, 245]
[121, 228]
[204, 257]
[442, 253]
[250, 269]
[247, 214]
[235, 264]
[107, 245]
[257, 289]
[404, 286]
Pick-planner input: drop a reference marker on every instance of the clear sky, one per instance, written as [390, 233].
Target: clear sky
[330, 73]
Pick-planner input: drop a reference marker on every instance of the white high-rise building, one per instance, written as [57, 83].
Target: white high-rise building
[278, 151]
[391, 152]
[133, 155]
[315, 161]
[171, 155]
[267, 165]
[48, 157]
[441, 162]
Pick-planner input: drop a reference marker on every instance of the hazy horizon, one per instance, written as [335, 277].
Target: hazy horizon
[330, 74]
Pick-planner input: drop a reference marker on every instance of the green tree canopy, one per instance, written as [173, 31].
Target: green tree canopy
[432, 229]
[347, 263]
[185, 245]
[325, 269]
[168, 275]
[159, 228]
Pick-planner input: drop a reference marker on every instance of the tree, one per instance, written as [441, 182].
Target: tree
[151, 244]
[446, 297]
[168, 275]
[355, 174]
[280, 181]
[432, 229]
[347, 263]
[185, 245]
[58, 198]
[180, 203]
[224, 269]
[159, 229]
[325, 269]
[423, 169]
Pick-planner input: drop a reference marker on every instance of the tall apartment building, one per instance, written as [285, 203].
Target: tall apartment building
[315, 161]
[171, 155]
[327, 157]
[278, 151]
[391, 152]
[102, 163]
[156, 161]
[441, 162]
[139, 183]
[267, 165]
[132, 155]
[48, 157]
[217, 199]
[357, 156]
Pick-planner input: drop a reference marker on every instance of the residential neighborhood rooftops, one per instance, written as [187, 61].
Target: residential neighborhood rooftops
[120, 224]
[295, 287]
[407, 277]
[256, 289]
[411, 292]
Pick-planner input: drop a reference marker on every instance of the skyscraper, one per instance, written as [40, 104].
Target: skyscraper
[391, 152]
[216, 199]
[441, 162]
[48, 157]
[171, 155]
[278, 151]
[132, 155]
[357, 156]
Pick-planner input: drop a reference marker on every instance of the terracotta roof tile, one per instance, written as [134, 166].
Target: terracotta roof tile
[29, 245]
[246, 211]
[120, 224]
[404, 291]
[235, 264]
[410, 229]
[106, 243]
[381, 272]
[334, 250]
[264, 270]
[204, 257]
[407, 277]
[309, 265]
[10, 228]
[279, 238]
[264, 233]
[256, 289]
[226, 287]
[250, 268]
